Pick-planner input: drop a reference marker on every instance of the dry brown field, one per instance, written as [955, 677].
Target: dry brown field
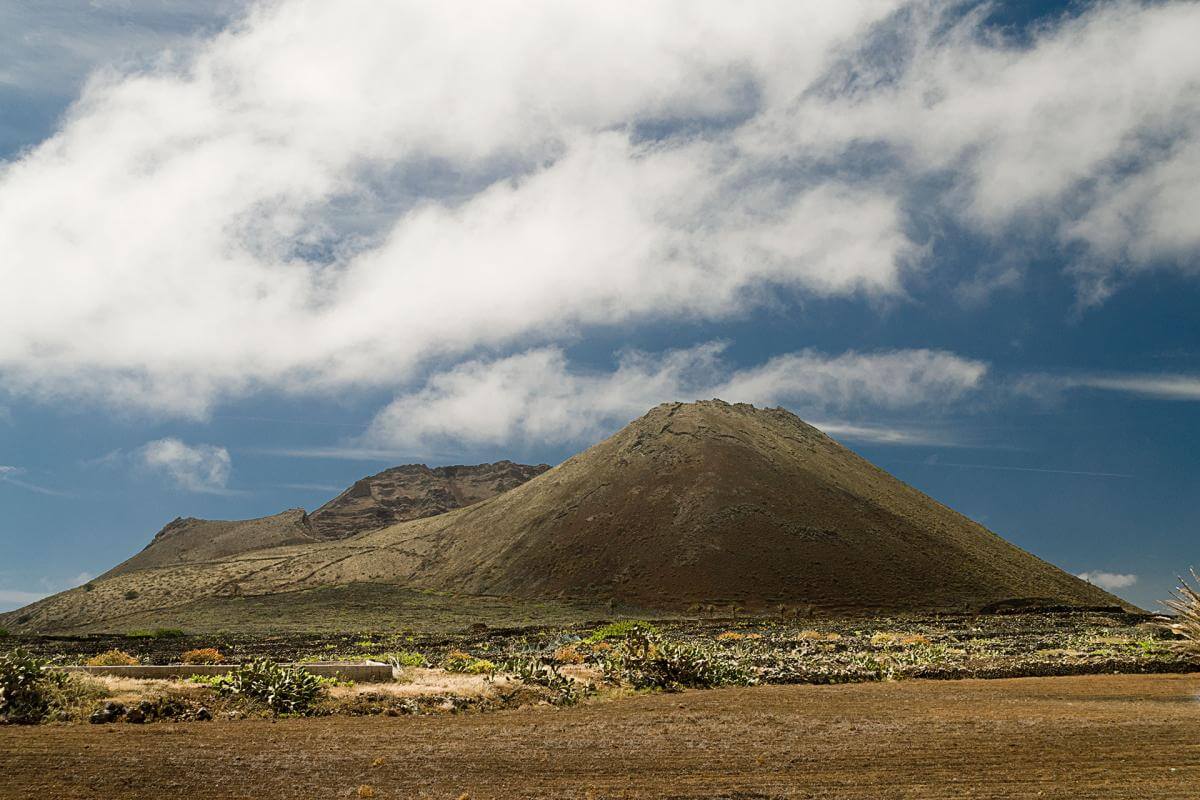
[1102, 736]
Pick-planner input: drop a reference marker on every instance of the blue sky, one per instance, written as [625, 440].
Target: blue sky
[251, 254]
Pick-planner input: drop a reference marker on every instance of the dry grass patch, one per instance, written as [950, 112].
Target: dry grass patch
[569, 655]
[418, 681]
[112, 658]
[203, 655]
[890, 639]
[1185, 603]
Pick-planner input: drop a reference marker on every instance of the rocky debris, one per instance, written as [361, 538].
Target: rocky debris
[151, 710]
[415, 491]
[111, 712]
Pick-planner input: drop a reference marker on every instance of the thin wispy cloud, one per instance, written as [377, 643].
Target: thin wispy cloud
[1011, 468]
[335, 453]
[13, 598]
[9, 475]
[1159, 386]
[311, 487]
[887, 434]
[1163, 387]
[324, 423]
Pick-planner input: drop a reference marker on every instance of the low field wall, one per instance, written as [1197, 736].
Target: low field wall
[359, 673]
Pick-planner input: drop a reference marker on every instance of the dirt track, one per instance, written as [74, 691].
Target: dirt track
[1092, 737]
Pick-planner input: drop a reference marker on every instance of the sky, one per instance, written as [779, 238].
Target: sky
[253, 251]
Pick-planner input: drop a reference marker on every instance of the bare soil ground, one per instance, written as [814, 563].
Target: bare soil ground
[1104, 736]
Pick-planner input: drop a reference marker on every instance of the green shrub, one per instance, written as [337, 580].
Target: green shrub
[404, 658]
[544, 673]
[648, 661]
[157, 633]
[619, 630]
[131, 594]
[26, 687]
[458, 661]
[284, 690]
[3, 633]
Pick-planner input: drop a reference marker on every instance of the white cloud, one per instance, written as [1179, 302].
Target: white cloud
[1109, 580]
[196, 468]
[897, 379]
[1086, 133]
[535, 396]
[336, 195]
[178, 210]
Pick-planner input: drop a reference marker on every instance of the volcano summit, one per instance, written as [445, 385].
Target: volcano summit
[693, 504]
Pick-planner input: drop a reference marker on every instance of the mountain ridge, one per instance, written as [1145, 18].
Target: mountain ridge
[397, 494]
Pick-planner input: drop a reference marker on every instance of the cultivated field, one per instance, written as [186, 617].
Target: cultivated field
[869, 707]
[1108, 737]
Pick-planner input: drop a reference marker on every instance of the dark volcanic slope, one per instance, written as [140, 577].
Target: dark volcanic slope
[716, 503]
[412, 492]
[700, 503]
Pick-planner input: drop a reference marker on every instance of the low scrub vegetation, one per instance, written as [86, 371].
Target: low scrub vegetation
[399, 659]
[619, 630]
[648, 661]
[465, 663]
[564, 690]
[284, 690]
[888, 639]
[202, 655]
[567, 654]
[25, 688]
[157, 633]
[112, 658]
[562, 667]
[31, 693]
